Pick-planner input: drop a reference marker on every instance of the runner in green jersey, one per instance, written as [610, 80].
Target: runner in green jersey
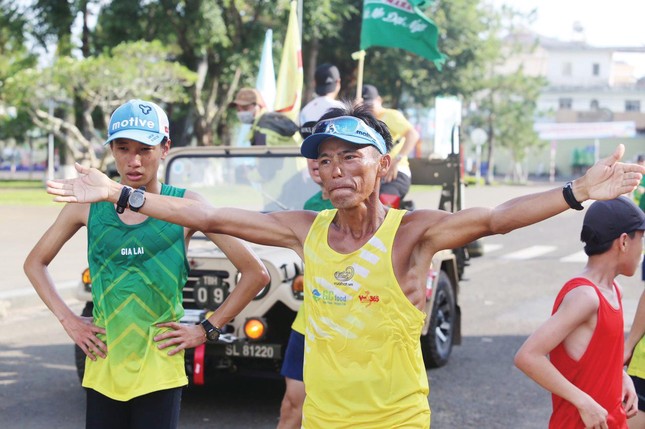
[138, 267]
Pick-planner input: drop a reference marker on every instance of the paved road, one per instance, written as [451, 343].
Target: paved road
[20, 229]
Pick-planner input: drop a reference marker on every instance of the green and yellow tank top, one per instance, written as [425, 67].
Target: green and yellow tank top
[363, 357]
[138, 273]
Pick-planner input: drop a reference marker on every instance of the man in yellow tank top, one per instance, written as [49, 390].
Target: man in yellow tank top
[366, 264]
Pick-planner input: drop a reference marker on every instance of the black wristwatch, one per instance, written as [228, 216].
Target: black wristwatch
[212, 331]
[137, 198]
[123, 199]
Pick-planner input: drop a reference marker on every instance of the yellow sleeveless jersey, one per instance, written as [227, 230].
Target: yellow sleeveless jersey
[363, 363]
[398, 126]
[637, 364]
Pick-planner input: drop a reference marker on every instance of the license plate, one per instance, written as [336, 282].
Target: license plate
[256, 351]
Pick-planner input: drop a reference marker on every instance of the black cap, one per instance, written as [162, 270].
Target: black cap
[307, 128]
[326, 77]
[605, 221]
[370, 93]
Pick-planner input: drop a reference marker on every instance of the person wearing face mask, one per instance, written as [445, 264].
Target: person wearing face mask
[267, 128]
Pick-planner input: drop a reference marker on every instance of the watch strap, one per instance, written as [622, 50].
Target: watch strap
[567, 192]
[122, 203]
[209, 328]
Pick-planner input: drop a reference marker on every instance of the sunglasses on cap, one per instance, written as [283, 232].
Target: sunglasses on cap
[346, 128]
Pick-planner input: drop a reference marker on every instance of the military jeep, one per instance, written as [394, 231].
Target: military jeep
[268, 179]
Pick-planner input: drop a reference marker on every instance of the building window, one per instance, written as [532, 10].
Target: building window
[566, 69]
[565, 103]
[595, 69]
[632, 106]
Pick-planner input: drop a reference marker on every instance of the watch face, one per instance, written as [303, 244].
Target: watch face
[136, 199]
[213, 335]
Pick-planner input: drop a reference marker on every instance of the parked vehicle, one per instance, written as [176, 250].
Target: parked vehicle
[270, 179]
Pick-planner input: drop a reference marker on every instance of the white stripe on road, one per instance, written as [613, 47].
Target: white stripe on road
[491, 248]
[529, 252]
[575, 257]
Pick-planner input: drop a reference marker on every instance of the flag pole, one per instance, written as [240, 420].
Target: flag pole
[360, 56]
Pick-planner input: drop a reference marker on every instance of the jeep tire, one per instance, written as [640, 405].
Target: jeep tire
[436, 345]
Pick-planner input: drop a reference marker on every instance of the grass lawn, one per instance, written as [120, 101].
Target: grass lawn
[24, 192]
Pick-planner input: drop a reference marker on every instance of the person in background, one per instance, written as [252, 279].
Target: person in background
[327, 87]
[577, 354]
[405, 138]
[366, 264]
[294, 395]
[267, 128]
[138, 267]
[327, 79]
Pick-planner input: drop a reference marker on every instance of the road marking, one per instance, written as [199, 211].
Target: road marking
[529, 252]
[580, 256]
[491, 248]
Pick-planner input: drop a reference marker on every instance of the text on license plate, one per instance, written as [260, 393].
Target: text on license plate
[260, 351]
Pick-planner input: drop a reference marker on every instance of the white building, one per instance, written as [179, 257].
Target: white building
[586, 84]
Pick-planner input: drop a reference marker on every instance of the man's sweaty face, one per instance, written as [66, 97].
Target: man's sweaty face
[348, 171]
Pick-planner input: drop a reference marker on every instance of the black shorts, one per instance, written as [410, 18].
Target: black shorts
[294, 356]
[159, 410]
[639, 384]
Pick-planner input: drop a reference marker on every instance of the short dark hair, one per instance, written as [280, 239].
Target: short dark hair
[364, 113]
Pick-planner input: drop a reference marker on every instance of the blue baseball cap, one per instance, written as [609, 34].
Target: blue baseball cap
[139, 120]
[347, 128]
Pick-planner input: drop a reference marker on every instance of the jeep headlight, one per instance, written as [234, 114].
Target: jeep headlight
[298, 286]
[255, 328]
[86, 279]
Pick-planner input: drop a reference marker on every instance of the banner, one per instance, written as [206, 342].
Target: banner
[400, 24]
[289, 88]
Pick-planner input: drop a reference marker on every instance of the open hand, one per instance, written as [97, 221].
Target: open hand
[84, 333]
[91, 186]
[609, 178]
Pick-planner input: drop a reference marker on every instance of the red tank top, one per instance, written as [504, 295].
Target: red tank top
[599, 370]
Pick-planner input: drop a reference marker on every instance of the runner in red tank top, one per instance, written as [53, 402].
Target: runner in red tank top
[577, 354]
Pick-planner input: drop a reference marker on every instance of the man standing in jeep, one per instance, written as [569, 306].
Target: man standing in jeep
[138, 266]
[365, 281]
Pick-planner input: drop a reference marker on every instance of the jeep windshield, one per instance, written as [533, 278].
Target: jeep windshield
[253, 178]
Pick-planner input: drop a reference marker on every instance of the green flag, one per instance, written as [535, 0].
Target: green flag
[400, 24]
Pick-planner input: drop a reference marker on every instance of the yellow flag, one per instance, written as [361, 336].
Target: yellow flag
[289, 87]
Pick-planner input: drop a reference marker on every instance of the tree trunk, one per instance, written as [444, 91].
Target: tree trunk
[310, 72]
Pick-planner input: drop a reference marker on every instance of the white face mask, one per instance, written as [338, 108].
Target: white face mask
[245, 117]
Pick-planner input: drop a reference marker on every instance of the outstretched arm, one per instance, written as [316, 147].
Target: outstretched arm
[607, 179]
[284, 229]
